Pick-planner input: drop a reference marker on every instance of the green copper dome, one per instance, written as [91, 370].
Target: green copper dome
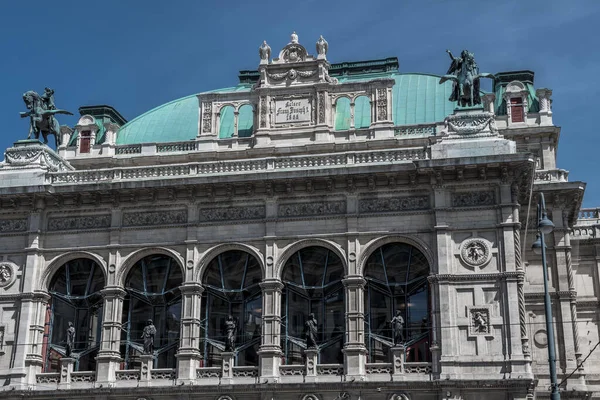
[417, 99]
[176, 121]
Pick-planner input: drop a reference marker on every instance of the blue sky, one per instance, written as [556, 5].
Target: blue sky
[136, 55]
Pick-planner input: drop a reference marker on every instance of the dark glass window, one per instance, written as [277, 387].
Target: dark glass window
[85, 142]
[312, 280]
[396, 277]
[152, 287]
[517, 113]
[231, 287]
[75, 297]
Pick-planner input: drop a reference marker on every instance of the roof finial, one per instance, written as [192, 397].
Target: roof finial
[294, 37]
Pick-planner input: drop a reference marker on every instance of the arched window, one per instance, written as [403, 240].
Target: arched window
[226, 122]
[245, 121]
[362, 112]
[231, 282]
[152, 287]
[342, 114]
[312, 280]
[396, 275]
[75, 297]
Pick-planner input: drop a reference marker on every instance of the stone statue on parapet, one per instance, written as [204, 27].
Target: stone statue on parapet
[294, 38]
[230, 333]
[41, 115]
[464, 73]
[398, 328]
[148, 335]
[322, 47]
[310, 332]
[70, 340]
[264, 52]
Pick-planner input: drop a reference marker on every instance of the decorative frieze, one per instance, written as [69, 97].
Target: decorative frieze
[479, 321]
[206, 117]
[34, 153]
[392, 204]
[170, 217]
[13, 225]
[7, 275]
[75, 223]
[313, 208]
[231, 213]
[263, 112]
[382, 104]
[469, 199]
[471, 123]
[475, 252]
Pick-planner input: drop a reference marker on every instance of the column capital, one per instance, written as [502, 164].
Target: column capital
[271, 284]
[191, 287]
[113, 291]
[354, 281]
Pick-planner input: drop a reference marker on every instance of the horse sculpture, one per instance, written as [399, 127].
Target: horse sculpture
[41, 115]
[464, 72]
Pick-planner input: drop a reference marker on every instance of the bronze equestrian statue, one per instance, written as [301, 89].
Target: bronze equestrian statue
[41, 115]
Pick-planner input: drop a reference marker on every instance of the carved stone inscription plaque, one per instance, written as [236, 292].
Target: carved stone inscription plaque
[293, 110]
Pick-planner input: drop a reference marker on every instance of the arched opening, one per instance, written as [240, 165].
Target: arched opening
[231, 282]
[312, 279]
[226, 122]
[152, 287]
[362, 112]
[246, 121]
[396, 275]
[75, 298]
[342, 114]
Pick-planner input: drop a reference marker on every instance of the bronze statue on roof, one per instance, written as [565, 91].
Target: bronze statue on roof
[41, 115]
[464, 72]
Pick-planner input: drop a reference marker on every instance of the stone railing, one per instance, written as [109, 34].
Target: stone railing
[589, 213]
[208, 372]
[291, 370]
[378, 368]
[128, 149]
[250, 372]
[238, 166]
[417, 368]
[48, 377]
[584, 232]
[163, 373]
[127, 375]
[552, 175]
[175, 147]
[330, 369]
[83, 376]
[415, 130]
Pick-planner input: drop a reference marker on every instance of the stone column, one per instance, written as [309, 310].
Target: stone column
[311, 360]
[488, 102]
[352, 122]
[545, 103]
[109, 355]
[66, 368]
[227, 365]
[355, 351]
[189, 355]
[33, 315]
[398, 354]
[236, 118]
[270, 350]
[146, 365]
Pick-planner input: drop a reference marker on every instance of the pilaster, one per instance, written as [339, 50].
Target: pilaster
[188, 355]
[270, 350]
[109, 355]
[355, 351]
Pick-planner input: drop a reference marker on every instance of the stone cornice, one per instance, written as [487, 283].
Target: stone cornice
[446, 278]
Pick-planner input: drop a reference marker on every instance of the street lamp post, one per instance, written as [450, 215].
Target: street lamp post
[545, 226]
